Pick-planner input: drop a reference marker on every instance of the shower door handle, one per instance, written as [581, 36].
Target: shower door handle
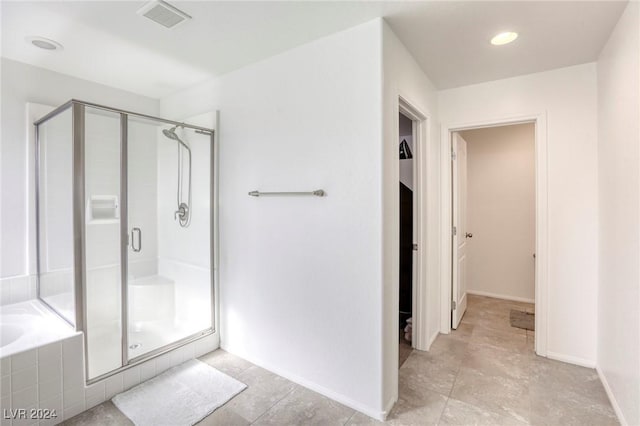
[135, 231]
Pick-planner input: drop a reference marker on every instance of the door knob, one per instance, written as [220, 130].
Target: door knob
[468, 235]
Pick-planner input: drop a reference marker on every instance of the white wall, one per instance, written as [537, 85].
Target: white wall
[567, 98]
[23, 83]
[300, 285]
[286, 263]
[619, 191]
[501, 211]
[403, 77]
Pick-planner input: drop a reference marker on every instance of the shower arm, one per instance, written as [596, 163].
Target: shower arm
[186, 146]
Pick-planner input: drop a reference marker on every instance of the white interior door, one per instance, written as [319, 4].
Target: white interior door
[460, 235]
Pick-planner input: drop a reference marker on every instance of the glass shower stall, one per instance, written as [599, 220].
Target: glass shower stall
[125, 231]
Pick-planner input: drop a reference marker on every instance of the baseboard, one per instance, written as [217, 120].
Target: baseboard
[500, 296]
[571, 359]
[342, 399]
[612, 398]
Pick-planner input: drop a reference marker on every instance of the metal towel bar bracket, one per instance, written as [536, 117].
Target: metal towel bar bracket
[317, 193]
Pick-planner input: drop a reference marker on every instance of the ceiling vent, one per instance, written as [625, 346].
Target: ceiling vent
[163, 13]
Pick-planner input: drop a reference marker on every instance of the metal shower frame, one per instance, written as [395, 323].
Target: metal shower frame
[79, 235]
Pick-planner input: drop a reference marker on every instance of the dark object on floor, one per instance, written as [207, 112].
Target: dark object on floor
[521, 319]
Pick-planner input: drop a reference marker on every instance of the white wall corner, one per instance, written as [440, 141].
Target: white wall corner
[373, 412]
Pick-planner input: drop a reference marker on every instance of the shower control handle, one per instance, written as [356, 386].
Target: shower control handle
[135, 231]
[178, 213]
[182, 212]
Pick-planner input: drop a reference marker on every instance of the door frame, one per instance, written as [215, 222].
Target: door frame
[542, 219]
[420, 130]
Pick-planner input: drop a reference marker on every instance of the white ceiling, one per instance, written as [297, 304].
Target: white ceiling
[107, 42]
[450, 40]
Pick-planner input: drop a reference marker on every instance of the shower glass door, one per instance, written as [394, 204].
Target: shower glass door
[125, 230]
[103, 261]
[169, 280]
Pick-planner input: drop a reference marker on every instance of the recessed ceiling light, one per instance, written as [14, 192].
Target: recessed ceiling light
[44, 43]
[504, 38]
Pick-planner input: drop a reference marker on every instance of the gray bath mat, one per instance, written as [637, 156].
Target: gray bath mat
[521, 319]
[183, 395]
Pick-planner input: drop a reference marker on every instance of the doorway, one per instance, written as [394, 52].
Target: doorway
[406, 240]
[493, 238]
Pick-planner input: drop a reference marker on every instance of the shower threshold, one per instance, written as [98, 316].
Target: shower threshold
[133, 362]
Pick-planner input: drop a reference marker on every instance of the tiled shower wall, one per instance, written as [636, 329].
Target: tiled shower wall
[52, 377]
[17, 289]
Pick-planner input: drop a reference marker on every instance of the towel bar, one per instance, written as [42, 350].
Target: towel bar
[317, 193]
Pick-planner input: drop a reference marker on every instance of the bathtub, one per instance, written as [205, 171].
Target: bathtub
[27, 325]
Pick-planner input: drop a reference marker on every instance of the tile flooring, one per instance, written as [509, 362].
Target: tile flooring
[484, 373]
[404, 350]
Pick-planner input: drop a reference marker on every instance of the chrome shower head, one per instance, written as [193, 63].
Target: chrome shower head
[171, 133]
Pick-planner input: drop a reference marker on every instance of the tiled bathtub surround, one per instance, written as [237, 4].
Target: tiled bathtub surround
[28, 325]
[17, 289]
[52, 377]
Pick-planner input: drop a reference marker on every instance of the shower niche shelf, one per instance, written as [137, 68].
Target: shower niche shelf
[102, 209]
